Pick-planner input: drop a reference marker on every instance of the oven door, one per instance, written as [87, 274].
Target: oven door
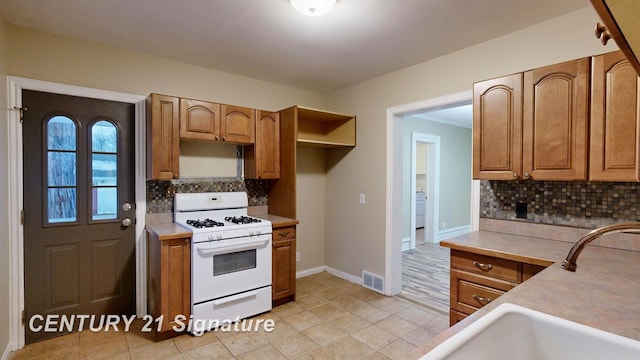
[227, 267]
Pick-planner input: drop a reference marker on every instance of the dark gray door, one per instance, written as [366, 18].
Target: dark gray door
[79, 256]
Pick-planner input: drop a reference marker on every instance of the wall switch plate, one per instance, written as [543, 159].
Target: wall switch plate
[297, 256]
[362, 199]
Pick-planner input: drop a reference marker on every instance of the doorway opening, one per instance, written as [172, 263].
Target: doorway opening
[400, 192]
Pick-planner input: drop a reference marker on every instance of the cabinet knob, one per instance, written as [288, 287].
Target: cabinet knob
[526, 175]
[284, 234]
[481, 299]
[217, 138]
[224, 138]
[602, 33]
[515, 176]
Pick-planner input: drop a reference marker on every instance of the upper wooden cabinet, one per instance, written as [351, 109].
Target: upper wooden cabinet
[614, 119]
[555, 121]
[238, 124]
[262, 160]
[203, 120]
[622, 21]
[163, 142]
[199, 120]
[497, 128]
[533, 125]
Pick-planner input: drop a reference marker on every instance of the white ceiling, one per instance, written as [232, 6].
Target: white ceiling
[266, 39]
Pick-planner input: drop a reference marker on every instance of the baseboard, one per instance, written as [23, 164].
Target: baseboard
[406, 243]
[453, 232]
[344, 275]
[308, 272]
[7, 352]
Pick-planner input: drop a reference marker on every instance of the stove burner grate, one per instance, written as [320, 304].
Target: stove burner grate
[206, 223]
[242, 219]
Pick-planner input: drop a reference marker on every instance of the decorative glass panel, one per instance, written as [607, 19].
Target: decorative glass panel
[104, 137]
[62, 205]
[61, 135]
[105, 203]
[61, 166]
[104, 171]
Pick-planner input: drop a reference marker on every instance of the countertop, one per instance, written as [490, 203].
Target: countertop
[603, 293]
[169, 231]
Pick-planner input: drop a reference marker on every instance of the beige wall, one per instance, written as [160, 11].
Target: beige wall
[357, 241]
[4, 186]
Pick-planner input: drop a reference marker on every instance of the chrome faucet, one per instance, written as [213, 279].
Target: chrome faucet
[569, 263]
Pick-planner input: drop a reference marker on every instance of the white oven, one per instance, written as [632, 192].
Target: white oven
[230, 257]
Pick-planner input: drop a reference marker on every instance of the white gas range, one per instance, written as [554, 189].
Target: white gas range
[230, 257]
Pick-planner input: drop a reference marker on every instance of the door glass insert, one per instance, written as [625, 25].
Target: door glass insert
[233, 262]
[104, 171]
[61, 170]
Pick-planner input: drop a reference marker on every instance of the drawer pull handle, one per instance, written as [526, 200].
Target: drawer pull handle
[481, 266]
[481, 299]
[284, 234]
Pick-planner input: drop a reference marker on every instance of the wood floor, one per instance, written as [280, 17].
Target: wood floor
[425, 274]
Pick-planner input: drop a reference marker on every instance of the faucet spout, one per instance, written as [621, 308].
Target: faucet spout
[569, 263]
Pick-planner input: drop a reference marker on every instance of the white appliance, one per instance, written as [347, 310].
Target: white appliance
[230, 257]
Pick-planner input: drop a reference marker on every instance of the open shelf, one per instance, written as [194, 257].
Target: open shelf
[318, 128]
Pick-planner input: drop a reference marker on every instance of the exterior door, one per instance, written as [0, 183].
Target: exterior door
[79, 216]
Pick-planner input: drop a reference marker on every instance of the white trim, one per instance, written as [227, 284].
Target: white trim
[393, 211]
[15, 85]
[309, 272]
[433, 186]
[446, 234]
[406, 243]
[7, 352]
[344, 275]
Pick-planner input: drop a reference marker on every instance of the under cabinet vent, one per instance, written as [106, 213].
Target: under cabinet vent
[373, 281]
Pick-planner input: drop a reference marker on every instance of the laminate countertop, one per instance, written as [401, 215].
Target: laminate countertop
[603, 293]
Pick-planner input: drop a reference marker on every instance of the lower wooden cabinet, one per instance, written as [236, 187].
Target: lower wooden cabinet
[477, 280]
[169, 282]
[284, 265]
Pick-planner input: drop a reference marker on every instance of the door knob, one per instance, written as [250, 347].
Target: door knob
[126, 222]
[126, 206]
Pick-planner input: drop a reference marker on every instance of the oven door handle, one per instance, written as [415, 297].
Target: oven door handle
[236, 246]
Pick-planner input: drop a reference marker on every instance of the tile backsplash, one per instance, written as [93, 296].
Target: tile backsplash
[582, 204]
[159, 199]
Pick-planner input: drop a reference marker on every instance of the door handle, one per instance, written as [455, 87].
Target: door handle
[126, 206]
[126, 222]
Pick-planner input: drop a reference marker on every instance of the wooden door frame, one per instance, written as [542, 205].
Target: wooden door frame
[15, 85]
[393, 191]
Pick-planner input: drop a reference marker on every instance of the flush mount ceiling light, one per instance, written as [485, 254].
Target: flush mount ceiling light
[313, 7]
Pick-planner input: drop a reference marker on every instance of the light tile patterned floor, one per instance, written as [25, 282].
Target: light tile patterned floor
[331, 319]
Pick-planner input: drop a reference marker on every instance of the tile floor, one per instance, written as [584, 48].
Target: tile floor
[331, 319]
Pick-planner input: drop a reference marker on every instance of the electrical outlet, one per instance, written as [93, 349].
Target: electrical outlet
[362, 199]
[297, 256]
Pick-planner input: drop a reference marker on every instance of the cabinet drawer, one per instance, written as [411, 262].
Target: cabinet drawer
[529, 270]
[455, 317]
[469, 292]
[487, 265]
[284, 233]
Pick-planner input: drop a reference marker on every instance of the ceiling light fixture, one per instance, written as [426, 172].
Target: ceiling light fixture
[313, 7]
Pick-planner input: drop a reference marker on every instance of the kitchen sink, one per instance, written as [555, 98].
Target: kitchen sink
[514, 332]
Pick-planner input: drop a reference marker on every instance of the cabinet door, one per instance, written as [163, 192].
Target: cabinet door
[614, 119]
[267, 144]
[497, 128]
[284, 270]
[163, 142]
[199, 120]
[555, 120]
[238, 124]
[176, 281]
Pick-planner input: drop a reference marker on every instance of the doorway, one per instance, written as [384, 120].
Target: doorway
[16, 191]
[79, 245]
[395, 207]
